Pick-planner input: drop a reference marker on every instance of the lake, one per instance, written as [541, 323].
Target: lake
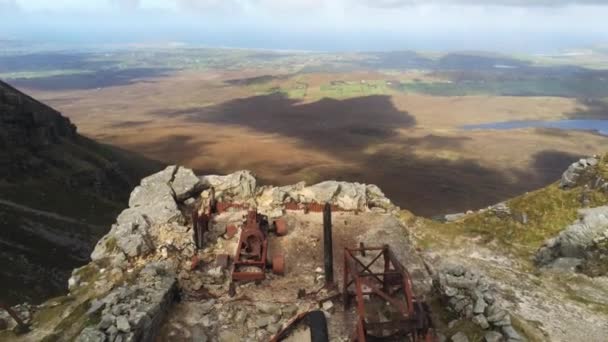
[599, 126]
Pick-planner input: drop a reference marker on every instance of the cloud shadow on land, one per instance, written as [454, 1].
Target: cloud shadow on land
[336, 126]
[91, 80]
[362, 132]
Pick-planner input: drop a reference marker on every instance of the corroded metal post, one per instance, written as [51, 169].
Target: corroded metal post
[327, 245]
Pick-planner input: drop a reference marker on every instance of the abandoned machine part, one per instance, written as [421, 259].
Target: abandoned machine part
[200, 226]
[251, 258]
[386, 307]
[21, 326]
[328, 248]
[314, 320]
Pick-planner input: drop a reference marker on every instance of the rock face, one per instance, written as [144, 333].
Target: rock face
[590, 230]
[471, 296]
[25, 122]
[43, 156]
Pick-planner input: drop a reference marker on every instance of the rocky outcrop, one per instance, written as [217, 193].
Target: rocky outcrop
[154, 219]
[578, 172]
[572, 245]
[470, 295]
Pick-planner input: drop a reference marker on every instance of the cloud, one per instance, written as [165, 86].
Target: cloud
[126, 4]
[8, 6]
[508, 3]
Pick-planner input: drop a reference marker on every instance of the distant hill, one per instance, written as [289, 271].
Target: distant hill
[59, 192]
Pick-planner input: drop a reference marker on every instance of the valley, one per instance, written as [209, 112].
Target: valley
[392, 119]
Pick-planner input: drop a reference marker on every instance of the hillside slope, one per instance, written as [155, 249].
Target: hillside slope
[59, 191]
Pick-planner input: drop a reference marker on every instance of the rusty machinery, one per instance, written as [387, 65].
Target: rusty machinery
[251, 257]
[398, 315]
[22, 327]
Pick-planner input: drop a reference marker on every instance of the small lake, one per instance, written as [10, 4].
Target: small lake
[599, 126]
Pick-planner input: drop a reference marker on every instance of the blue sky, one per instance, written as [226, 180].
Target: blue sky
[358, 24]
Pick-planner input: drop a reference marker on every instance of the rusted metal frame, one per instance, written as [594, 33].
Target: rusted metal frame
[365, 268]
[14, 315]
[407, 280]
[385, 296]
[360, 311]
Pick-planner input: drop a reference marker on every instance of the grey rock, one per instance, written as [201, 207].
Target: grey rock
[493, 336]
[238, 186]
[501, 323]
[122, 323]
[574, 172]
[454, 217]
[461, 282]
[198, 334]
[3, 324]
[185, 184]
[268, 308]
[106, 322]
[263, 321]
[450, 291]
[289, 310]
[133, 245]
[273, 328]
[96, 306]
[228, 336]
[90, 334]
[498, 316]
[143, 195]
[455, 270]
[481, 321]
[459, 337]
[207, 306]
[501, 210]
[480, 306]
[489, 298]
[112, 332]
[573, 241]
[511, 333]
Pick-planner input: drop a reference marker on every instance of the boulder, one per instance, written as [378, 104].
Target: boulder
[459, 337]
[185, 184]
[573, 241]
[91, 334]
[239, 186]
[163, 177]
[144, 195]
[493, 336]
[574, 172]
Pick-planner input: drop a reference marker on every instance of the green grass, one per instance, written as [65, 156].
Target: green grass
[341, 90]
[549, 210]
[567, 87]
[43, 73]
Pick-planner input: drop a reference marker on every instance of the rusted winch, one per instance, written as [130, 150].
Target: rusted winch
[251, 257]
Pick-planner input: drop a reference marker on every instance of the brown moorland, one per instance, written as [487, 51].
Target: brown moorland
[409, 144]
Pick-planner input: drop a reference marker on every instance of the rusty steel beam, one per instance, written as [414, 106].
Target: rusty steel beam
[328, 245]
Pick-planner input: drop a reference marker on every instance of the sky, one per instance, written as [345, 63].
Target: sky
[511, 25]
